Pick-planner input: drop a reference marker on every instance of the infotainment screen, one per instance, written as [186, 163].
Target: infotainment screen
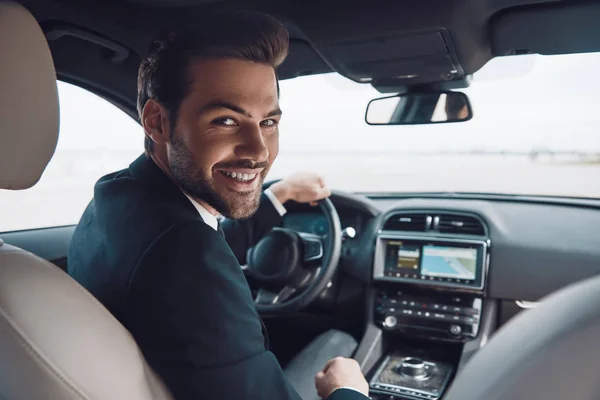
[456, 263]
[449, 262]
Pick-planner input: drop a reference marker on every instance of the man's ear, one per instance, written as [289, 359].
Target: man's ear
[155, 121]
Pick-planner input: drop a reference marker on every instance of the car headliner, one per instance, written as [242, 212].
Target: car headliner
[393, 45]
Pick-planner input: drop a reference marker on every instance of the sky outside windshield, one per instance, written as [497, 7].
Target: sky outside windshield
[536, 130]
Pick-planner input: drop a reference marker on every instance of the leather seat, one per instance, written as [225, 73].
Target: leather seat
[56, 340]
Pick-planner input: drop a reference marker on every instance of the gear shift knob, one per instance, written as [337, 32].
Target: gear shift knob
[413, 367]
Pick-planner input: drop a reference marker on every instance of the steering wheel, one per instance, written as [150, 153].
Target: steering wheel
[292, 268]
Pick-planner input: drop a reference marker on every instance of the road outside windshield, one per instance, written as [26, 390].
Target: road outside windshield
[536, 131]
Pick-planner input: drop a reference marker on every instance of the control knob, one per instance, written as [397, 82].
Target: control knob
[413, 367]
[390, 321]
[455, 330]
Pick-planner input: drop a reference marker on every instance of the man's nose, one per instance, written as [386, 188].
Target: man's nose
[252, 144]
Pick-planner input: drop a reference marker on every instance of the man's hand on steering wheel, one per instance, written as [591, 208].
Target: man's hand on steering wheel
[301, 187]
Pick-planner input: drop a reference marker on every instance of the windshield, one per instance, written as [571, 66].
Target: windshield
[535, 131]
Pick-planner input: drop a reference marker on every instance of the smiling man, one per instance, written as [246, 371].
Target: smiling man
[148, 245]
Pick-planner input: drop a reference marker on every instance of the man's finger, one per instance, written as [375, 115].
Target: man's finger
[321, 181]
[324, 193]
[329, 363]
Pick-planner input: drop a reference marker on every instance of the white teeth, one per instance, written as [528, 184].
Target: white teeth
[239, 177]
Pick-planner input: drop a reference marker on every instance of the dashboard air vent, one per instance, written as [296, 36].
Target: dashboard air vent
[459, 224]
[407, 222]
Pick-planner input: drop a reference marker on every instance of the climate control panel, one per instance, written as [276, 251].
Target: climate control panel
[454, 317]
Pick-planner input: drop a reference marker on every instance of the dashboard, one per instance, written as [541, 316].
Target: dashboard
[524, 250]
[316, 223]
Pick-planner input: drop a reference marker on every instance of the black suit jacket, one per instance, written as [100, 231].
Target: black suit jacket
[143, 250]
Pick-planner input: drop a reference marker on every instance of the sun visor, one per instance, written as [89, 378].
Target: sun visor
[302, 60]
[395, 61]
[557, 29]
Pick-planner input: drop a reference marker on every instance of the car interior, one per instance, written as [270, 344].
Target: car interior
[446, 294]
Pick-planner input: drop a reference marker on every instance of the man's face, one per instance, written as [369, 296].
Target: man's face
[226, 135]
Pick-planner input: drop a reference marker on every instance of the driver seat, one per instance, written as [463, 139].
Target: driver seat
[56, 341]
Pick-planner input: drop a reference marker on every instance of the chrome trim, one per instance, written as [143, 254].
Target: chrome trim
[379, 259]
[419, 365]
[372, 347]
[284, 294]
[526, 304]
[349, 233]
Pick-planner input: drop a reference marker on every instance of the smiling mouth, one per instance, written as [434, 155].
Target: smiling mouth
[240, 177]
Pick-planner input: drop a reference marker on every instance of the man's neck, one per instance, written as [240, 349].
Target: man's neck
[164, 167]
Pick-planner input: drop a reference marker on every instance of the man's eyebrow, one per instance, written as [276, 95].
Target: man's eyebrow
[274, 113]
[213, 105]
[219, 104]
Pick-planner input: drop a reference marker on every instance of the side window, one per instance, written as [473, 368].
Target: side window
[95, 138]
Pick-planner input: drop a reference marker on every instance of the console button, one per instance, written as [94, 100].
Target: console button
[455, 330]
[469, 311]
[468, 320]
[390, 321]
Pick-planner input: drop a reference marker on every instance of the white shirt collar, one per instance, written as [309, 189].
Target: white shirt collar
[208, 218]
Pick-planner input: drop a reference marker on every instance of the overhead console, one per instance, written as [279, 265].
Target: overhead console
[393, 62]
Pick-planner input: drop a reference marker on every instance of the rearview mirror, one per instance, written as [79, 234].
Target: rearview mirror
[419, 108]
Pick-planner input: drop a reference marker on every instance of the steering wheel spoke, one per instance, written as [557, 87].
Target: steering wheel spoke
[292, 268]
[265, 296]
[312, 246]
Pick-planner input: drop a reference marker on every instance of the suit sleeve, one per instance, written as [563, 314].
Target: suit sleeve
[191, 312]
[347, 394]
[243, 234]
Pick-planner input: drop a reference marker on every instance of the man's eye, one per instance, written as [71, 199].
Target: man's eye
[225, 121]
[269, 122]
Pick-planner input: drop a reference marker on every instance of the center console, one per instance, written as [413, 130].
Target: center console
[427, 311]
[401, 374]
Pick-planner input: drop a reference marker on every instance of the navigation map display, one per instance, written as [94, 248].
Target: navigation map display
[449, 262]
[456, 263]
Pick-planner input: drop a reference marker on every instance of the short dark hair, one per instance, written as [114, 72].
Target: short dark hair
[246, 35]
[454, 105]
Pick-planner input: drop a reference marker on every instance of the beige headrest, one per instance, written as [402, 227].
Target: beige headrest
[28, 99]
